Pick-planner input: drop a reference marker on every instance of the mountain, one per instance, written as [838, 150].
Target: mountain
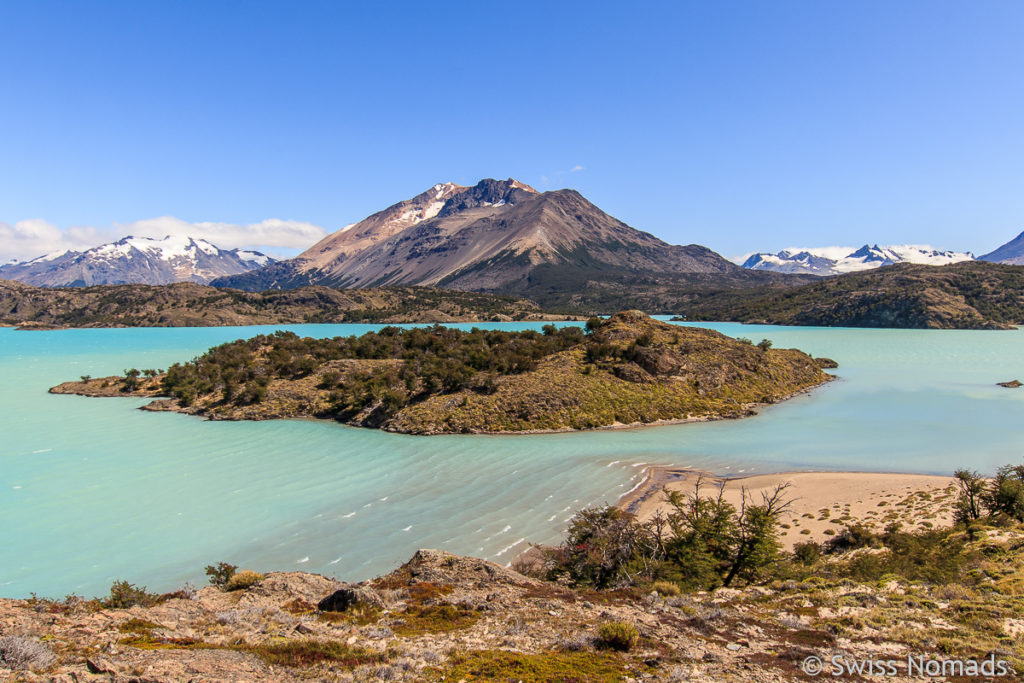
[137, 260]
[1012, 252]
[498, 236]
[830, 260]
[966, 295]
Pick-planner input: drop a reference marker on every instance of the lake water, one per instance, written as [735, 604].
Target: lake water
[92, 490]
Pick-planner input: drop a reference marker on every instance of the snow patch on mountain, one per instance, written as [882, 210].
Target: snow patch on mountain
[141, 260]
[837, 260]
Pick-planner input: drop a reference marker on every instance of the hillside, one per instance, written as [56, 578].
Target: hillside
[942, 598]
[969, 295]
[500, 236]
[192, 305]
[630, 369]
[136, 260]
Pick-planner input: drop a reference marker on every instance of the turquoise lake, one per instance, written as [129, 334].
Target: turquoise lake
[92, 490]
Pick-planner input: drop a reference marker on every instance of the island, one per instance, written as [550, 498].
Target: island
[629, 369]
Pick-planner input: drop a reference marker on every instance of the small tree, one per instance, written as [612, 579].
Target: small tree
[712, 543]
[604, 548]
[764, 344]
[757, 544]
[131, 379]
[220, 573]
[1005, 495]
[972, 490]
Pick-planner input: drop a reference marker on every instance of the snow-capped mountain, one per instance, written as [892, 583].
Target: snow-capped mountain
[832, 261]
[135, 260]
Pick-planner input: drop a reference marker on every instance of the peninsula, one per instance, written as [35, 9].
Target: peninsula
[627, 370]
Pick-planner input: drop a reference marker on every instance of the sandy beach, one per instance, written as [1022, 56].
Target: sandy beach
[823, 502]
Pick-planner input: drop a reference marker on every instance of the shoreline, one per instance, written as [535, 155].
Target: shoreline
[164, 404]
[822, 502]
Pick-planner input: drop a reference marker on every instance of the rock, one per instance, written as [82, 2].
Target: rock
[733, 647]
[826, 363]
[349, 596]
[1012, 384]
[99, 665]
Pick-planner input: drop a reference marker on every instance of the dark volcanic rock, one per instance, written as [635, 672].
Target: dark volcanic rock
[350, 596]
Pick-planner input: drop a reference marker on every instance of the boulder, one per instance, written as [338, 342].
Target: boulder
[1012, 384]
[349, 596]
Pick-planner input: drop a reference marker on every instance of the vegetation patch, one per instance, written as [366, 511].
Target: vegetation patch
[617, 635]
[545, 667]
[310, 652]
[416, 620]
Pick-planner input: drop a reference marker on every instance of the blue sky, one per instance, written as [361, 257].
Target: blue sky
[738, 125]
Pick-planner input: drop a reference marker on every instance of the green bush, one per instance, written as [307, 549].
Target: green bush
[124, 595]
[243, 579]
[617, 635]
[665, 588]
[1005, 494]
[807, 552]
[220, 573]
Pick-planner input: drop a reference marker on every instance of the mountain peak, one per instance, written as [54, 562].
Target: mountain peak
[487, 192]
[1012, 252]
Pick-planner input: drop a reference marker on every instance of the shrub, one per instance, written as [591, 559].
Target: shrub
[21, 653]
[617, 635]
[220, 573]
[851, 538]
[665, 588]
[243, 579]
[124, 595]
[807, 552]
[764, 344]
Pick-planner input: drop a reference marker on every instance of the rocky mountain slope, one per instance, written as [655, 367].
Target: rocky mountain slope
[191, 305]
[499, 236]
[1010, 253]
[827, 261]
[139, 260]
[630, 369]
[969, 295]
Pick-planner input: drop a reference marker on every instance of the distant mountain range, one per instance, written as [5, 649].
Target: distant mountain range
[136, 260]
[832, 261]
[825, 261]
[499, 236]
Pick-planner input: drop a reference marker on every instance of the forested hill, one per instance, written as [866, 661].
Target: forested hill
[629, 369]
[192, 305]
[969, 295]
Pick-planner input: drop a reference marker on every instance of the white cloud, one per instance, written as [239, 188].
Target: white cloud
[31, 238]
[575, 168]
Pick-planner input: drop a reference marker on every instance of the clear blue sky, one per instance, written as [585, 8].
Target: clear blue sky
[739, 125]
